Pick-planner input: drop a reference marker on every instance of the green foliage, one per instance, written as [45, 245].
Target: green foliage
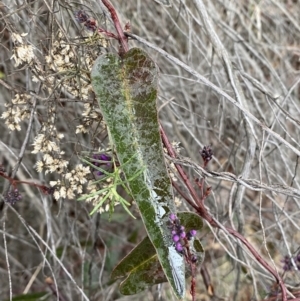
[141, 267]
[111, 181]
[126, 89]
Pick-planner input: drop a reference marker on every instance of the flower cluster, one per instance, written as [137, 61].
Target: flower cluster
[23, 52]
[64, 63]
[90, 23]
[62, 67]
[12, 197]
[89, 115]
[19, 108]
[63, 73]
[179, 234]
[63, 60]
[206, 154]
[71, 183]
[47, 142]
[288, 265]
[17, 111]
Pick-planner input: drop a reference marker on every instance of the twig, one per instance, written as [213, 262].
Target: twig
[251, 184]
[123, 40]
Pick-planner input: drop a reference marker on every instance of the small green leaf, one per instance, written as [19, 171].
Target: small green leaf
[148, 274]
[190, 220]
[141, 253]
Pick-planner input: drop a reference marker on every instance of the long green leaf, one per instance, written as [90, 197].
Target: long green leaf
[126, 89]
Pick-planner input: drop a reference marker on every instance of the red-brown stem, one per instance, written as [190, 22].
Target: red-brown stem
[15, 182]
[107, 33]
[206, 215]
[123, 40]
[206, 280]
[183, 195]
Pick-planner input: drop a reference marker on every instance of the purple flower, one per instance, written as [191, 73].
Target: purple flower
[176, 238]
[81, 16]
[13, 196]
[183, 234]
[288, 265]
[101, 157]
[206, 153]
[106, 164]
[191, 234]
[104, 157]
[172, 217]
[179, 247]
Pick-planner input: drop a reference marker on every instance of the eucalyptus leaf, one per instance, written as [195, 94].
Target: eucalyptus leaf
[126, 89]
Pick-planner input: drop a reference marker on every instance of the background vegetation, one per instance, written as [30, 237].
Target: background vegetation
[241, 95]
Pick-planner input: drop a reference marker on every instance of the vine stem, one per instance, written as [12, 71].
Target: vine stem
[202, 211]
[123, 40]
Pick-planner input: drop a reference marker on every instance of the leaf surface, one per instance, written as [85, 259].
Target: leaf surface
[126, 89]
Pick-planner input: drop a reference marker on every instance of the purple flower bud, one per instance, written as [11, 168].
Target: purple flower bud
[179, 247]
[206, 153]
[173, 232]
[81, 16]
[172, 217]
[104, 157]
[193, 232]
[13, 196]
[182, 228]
[183, 234]
[176, 238]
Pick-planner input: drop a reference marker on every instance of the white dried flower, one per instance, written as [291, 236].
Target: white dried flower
[70, 193]
[13, 116]
[63, 192]
[38, 143]
[20, 99]
[16, 38]
[23, 53]
[54, 183]
[39, 166]
[79, 189]
[105, 209]
[81, 129]
[51, 145]
[5, 115]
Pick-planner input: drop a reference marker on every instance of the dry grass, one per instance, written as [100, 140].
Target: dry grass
[238, 90]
